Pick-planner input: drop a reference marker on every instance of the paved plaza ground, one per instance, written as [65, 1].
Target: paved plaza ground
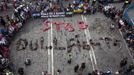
[104, 57]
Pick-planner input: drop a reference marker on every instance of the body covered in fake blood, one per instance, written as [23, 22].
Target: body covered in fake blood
[67, 26]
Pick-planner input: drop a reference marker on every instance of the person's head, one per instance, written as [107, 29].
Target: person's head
[69, 55]
[44, 72]
[1, 17]
[89, 73]
[21, 69]
[59, 71]
[125, 58]
[117, 72]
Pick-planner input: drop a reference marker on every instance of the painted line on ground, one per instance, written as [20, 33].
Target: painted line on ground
[88, 44]
[90, 53]
[89, 36]
[49, 61]
[126, 45]
[52, 52]
[64, 32]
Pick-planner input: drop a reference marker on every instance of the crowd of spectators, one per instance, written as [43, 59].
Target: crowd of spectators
[45, 6]
[10, 26]
[130, 38]
[4, 5]
[117, 16]
[86, 6]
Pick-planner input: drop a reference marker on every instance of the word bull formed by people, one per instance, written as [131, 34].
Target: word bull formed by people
[34, 45]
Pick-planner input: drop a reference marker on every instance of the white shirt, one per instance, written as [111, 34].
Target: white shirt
[121, 22]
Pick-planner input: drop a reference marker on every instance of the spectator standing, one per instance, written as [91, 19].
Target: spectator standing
[21, 71]
[123, 62]
[93, 2]
[2, 21]
[69, 58]
[76, 68]
[130, 68]
[95, 72]
[126, 2]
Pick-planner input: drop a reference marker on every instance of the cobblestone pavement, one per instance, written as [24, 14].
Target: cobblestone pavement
[104, 57]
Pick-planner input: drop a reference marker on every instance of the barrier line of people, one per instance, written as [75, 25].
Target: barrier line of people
[10, 26]
[117, 16]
